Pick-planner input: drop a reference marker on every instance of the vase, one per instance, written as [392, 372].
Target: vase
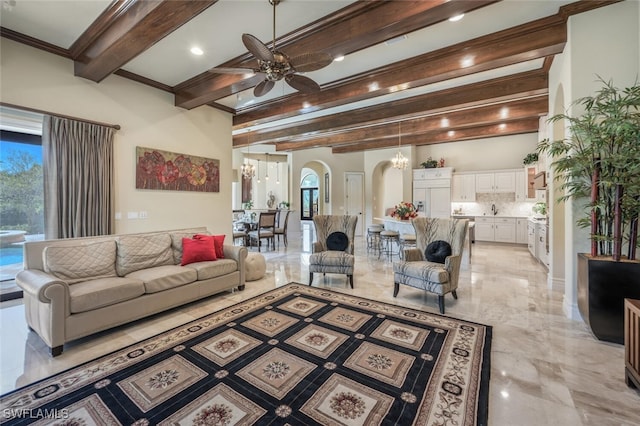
[602, 287]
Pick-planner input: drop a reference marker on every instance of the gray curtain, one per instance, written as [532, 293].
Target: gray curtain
[78, 178]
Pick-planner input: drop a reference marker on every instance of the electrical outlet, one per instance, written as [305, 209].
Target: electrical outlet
[118, 215]
[143, 215]
[132, 215]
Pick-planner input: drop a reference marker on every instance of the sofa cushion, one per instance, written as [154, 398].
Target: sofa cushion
[198, 249]
[207, 270]
[161, 278]
[424, 271]
[136, 252]
[94, 294]
[81, 262]
[176, 244]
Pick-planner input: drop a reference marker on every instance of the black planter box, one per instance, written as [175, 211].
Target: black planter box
[602, 287]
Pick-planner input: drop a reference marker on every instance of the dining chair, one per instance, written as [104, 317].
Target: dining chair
[264, 230]
[281, 229]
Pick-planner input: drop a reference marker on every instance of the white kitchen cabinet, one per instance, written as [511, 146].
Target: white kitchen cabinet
[541, 241]
[522, 231]
[463, 188]
[531, 238]
[505, 230]
[524, 186]
[435, 173]
[432, 188]
[496, 182]
[484, 228]
[499, 229]
[436, 201]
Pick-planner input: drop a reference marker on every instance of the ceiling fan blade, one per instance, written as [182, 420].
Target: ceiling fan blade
[302, 83]
[263, 88]
[257, 48]
[224, 70]
[307, 62]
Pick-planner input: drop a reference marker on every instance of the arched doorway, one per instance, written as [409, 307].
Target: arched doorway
[309, 194]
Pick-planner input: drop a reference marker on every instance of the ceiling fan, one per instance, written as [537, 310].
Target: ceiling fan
[276, 65]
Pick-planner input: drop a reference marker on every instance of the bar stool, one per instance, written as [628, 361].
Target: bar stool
[387, 238]
[373, 238]
[406, 241]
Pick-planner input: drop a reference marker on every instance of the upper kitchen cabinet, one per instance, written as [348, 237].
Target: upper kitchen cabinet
[525, 190]
[435, 173]
[463, 187]
[504, 181]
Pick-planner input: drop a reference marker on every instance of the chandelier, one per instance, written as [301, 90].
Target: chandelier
[248, 170]
[399, 162]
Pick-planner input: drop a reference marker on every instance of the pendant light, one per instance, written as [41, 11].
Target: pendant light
[278, 172]
[258, 170]
[248, 170]
[399, 162]
[266, 175]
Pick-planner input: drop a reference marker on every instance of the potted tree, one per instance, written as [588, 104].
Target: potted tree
[599, 166]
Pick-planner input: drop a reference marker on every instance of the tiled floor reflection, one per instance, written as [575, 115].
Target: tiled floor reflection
[546, 369]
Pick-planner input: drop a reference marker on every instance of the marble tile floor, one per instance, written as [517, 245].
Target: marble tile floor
[545, 368]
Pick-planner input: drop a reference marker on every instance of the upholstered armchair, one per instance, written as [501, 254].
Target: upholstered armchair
[333, 248]
[434, 265]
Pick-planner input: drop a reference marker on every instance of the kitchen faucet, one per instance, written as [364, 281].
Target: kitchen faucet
[494, 209]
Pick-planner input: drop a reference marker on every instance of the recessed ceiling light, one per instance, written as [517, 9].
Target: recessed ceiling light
[451, 133]
[444, 122]
[467, 61]
[197, 51]
[456, 18]
[338, 58]
[504, 112]
[502, 126]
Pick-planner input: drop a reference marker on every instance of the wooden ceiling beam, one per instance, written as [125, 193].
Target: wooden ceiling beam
[538, 39]
[478, 116]
[528, 125]
[126, 29]
[345, 31]
[527, 84]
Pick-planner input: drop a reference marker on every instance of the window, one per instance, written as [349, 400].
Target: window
[21, 198]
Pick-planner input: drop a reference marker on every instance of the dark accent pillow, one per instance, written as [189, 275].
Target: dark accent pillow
[437, 251]
[198, 249]
[337, 241]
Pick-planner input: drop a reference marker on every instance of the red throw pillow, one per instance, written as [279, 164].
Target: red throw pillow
[218, 242]
[198, 250]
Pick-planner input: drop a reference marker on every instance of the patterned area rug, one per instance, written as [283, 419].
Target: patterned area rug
[296, 355]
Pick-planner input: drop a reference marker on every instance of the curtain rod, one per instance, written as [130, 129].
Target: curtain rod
[39, 111]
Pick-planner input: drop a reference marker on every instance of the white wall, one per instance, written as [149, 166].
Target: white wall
[506, 152]
[604, 42]
[35, 79]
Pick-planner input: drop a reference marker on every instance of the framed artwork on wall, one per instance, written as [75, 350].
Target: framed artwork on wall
[326, 187]
[170, 171]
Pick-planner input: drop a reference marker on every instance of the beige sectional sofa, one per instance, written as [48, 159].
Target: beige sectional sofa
[78, 286]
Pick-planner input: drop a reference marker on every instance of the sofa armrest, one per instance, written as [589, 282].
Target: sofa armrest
[37, 284]
[316, 247]
[46, 305]
[239, 254]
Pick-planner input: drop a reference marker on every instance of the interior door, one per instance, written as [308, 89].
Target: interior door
[309, 197]
[354, 198]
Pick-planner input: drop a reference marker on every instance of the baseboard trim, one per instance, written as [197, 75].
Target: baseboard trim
[571, 310]
[555, 283]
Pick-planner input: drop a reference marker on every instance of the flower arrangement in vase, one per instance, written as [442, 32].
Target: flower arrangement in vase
[404, 211]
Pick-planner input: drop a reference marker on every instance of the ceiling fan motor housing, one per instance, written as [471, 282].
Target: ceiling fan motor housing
[277, 69]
